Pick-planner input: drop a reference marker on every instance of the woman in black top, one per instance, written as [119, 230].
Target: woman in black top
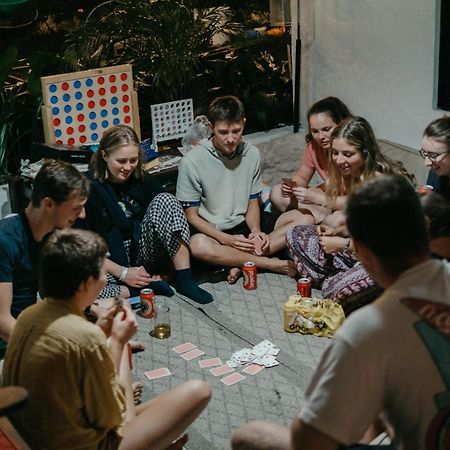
[143, 226]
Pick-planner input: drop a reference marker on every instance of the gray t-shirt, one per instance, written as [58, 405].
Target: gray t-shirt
[220, 186]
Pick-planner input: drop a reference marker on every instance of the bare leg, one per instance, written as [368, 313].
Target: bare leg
[181, 259]
[277, 199]
[209, 250]
[163, 419]
[288, 219]
[261, 436]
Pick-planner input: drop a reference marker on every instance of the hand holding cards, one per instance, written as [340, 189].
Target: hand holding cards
[286, 187]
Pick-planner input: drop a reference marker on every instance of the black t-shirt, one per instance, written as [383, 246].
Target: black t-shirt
[441, 184]
[19, 261]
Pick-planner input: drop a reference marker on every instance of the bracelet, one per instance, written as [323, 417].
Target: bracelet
[347, 245]
[123, 274]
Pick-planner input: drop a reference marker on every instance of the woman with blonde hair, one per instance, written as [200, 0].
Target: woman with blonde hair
[325, 253]
[143, 226]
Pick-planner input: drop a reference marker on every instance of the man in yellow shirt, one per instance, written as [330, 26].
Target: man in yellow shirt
[79, 386]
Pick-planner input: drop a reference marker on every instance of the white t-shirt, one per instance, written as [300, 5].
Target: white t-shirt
[388, 359]
[221, 186]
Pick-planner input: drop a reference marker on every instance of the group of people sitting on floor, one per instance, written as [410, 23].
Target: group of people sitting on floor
[361, 232]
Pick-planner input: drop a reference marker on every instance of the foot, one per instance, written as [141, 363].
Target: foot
[194, 292]
[283, 266]
[137, 392]
[136, 346]
[233, 275]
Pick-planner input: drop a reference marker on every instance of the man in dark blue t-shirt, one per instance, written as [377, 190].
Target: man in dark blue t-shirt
[57, 200]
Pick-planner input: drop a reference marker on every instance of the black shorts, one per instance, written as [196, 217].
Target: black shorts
[267, 223]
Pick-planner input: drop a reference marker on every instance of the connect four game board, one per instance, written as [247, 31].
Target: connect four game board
[171, 120]
[80, 106]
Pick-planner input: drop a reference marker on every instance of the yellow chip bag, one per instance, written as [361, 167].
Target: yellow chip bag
[312, 316]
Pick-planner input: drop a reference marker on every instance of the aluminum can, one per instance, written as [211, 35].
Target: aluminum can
[424, 189]
[304, 287]
[250, 275]
[147, 297]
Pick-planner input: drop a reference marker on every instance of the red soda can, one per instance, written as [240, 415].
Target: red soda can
[250, 273]
[147, 297]
[424, 189]
[304, 287]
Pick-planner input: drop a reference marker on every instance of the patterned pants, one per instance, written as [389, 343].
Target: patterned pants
[340, 275]
[163, 228]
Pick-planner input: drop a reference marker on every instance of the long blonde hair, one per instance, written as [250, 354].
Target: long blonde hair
[113, 139]
[358, 133]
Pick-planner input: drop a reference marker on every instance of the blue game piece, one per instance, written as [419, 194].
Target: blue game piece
[92, 115]
[94, 136]
[78, 95]
[93, 126]
[116, 121]
[54, 99]
[89, 82]
[79, 106]
[68, 120]
[52, 88]
[58, 133]
[77, 84]
[103, 113]
[105, 124]
[114, 100]
[55, 111]
[115, 111]
[67, 108]
[66, 97]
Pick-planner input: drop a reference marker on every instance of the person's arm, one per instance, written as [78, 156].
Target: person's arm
[132, 276]
[306, 437]
[303, 175]
[124, 327]
[7, 321]
[237, 241]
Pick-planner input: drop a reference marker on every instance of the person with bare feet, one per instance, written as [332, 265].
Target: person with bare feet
[80, 390]
[219, 185]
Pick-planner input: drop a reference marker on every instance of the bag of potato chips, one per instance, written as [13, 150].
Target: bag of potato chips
[312, 316]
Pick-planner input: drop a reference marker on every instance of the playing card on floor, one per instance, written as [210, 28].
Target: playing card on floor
[182, 348]
[211, 362]
[233, 379]
[222, 370]
[192, 354]
[157, 373]
[253, 369]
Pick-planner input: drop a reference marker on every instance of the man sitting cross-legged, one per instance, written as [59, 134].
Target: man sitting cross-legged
[74, 379]
[219, 184]
[390, 358]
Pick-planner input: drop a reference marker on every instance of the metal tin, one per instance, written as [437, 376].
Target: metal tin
[250, 275]
[304, 287]
[147, 297]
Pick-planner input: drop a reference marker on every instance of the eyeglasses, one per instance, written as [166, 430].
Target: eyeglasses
[431, 156]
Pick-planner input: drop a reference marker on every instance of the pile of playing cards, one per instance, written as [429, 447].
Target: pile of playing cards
[264, 354]
[254, 359]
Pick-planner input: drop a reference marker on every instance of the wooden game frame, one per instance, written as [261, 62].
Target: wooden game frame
[47, 115]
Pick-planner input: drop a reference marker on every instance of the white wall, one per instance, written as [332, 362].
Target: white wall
[378, 56]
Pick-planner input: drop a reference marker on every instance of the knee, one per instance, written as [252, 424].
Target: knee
[200, 246]
[260, 435]
[199, 392]
[275, 195]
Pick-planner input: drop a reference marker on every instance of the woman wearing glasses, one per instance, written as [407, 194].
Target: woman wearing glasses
[436, 152]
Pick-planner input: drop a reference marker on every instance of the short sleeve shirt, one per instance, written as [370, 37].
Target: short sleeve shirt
[221, 187]
[316, 158]
[19, 261]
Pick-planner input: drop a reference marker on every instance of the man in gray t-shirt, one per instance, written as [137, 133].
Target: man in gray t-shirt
[219, 184]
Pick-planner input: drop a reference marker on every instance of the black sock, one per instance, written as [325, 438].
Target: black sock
[160, 287]
[185, 284]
